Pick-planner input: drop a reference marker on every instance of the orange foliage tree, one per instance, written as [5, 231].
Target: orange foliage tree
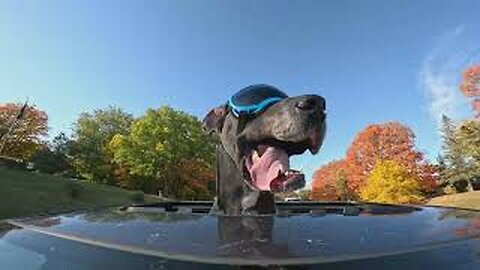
[388, 141]
[194, 180]
[191, 180]
[330, 182]
[470, 87]
[22, 130]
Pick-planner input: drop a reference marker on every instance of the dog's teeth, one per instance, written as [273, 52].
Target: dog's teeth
[255, 156]
[291, 171]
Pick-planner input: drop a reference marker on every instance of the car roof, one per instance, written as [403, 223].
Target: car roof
[301, 233]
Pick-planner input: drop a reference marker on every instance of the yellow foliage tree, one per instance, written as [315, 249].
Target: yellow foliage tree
[390, 182]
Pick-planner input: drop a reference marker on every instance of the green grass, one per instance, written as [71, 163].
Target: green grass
[26, 194]
[463, 200]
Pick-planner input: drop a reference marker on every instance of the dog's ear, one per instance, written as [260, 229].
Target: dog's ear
[213, 122]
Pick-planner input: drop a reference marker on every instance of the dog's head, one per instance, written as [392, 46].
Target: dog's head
[261, 142]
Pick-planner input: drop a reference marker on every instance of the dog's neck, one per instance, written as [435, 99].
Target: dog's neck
[234, 196]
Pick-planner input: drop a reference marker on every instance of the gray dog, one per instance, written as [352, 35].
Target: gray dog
[259, 129]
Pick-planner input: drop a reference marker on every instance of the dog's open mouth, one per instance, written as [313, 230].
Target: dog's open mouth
[269, 169]
[268, 162]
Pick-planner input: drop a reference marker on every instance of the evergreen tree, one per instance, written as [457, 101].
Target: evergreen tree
[456, 170]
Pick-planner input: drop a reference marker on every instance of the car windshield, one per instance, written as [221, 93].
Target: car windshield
[294, 112]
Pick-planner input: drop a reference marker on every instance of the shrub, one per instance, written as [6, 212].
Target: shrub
[48, 161]
[449, 190]
[12, 163]
[74, 189]
[137, 196]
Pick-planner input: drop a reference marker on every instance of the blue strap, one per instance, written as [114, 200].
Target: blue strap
[251, 109]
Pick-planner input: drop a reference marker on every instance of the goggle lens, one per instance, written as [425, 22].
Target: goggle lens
[254, 99]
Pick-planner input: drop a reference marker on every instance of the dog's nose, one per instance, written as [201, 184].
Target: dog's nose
[309, 103]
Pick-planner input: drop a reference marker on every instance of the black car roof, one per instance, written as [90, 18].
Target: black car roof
[301, 233]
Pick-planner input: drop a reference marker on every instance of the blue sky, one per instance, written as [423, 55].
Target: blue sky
[374, 61]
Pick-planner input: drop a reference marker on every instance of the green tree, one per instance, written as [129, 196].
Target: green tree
[92, 134]
[305, 194]
[54, 157]
[167, 150]
[391, 182]
[458, 160]
[61, 144]
[468, 136]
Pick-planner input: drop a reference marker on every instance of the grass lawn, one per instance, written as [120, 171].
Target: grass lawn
[25, 194]
[463, 200]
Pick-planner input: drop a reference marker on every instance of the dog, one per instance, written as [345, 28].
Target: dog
[252, 156]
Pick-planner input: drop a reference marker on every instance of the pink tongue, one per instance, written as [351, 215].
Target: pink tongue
[265, 169]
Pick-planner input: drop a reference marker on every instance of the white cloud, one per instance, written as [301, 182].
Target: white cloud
[441, 72]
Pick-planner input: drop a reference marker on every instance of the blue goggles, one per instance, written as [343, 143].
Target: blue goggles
[254, 99]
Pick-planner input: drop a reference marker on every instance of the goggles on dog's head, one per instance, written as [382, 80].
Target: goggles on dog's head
[254, 99]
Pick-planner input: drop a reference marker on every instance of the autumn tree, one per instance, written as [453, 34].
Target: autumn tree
[193, 180]
[391, 182]
[167, 149]
[388, 141]
[23, 129]
[92, 135]
[341, 185]
[330, 182]
[470, 87]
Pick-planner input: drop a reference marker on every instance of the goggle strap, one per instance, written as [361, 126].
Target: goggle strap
[251, 109]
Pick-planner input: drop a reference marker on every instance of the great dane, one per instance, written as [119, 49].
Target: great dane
[255, 143]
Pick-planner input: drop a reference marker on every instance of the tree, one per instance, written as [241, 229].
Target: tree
[23, 129]
[54, 157]
[92, 135]
[305, 194]
[167, 149]
[455, 166]
[442, 168]
[61, 144]
[390, 182]
[193, 178]
[470, 87]
[47, 161]
[468, 136]
[326, 182]
[388, 141]
[341, 185]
